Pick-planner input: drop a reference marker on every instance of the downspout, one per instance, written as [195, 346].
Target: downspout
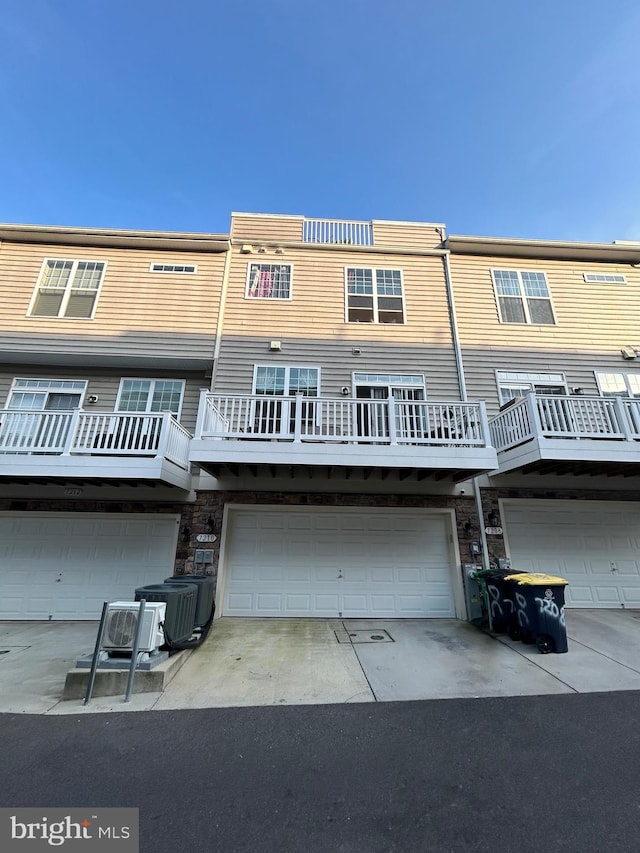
[455, 337]
[221, 310]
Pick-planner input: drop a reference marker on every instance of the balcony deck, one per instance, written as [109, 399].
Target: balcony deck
[446, 440]
[568, 434]
[80, 446]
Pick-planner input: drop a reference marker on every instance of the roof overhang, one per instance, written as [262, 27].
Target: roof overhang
[171, 240]
[620, 253]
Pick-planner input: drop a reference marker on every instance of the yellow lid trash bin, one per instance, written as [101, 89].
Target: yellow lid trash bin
[537, 579]
[539, 610]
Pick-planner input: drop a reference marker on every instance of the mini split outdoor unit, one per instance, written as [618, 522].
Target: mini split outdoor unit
[120, 628]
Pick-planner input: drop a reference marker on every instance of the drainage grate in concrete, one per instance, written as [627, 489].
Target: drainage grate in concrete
[373, 635]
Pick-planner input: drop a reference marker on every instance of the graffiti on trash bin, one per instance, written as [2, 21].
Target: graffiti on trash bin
[523, 619]
[496, 604]
[549, 607]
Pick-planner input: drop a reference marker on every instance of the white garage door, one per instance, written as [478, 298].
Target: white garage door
[290, 562]
[63, 566]
[594, 545]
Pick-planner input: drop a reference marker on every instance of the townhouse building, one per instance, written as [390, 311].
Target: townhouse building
[333, 418]
[334, 434]
[548, 334]
[106, 340]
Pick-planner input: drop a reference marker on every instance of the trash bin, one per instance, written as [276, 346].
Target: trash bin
[539, 610]
[499, 599]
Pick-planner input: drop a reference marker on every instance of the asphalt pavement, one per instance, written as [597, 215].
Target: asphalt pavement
[529, 773]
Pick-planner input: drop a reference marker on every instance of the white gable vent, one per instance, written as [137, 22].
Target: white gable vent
[176, 268]
[609, 278]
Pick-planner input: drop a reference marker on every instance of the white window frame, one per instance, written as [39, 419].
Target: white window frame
[68, 289]
[625, 376]
[159, 267]
[524, 299]
[375, 321]
[389, 380]
[268, 298]
[287, 368]
[518, 379]
[50, 385]
[152, 380]
[604, 278]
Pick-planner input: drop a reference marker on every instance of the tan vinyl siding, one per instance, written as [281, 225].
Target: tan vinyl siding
[578, 369]
[312, 328]
[337, 363]
[266, 228]
[592, 318]
[138, 312]
[105, 385]
[593, 321]
[401, 234]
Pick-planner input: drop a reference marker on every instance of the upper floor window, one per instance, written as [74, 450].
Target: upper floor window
[269, 281]
[618, 384]
[150, 395]
[523, 297]
[512, 385]
[374, 295]
[174, 268]
[46, 394]
[67, 288]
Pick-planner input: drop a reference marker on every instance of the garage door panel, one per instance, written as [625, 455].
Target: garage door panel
[606, 595]
[631, 596]
[592, 545]
[349, 563]
[63, 566]
[627, 567]
[579, 596]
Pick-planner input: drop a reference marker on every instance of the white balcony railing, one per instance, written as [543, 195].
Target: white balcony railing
[337, 231]
[341, 420]
[538, 416]
[80, 433]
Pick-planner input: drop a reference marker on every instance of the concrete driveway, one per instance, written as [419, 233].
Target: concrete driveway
[297, 661]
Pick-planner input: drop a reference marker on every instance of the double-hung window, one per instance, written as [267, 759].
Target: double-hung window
[618, 384]
[67, 288]
[374, 295]
[523, 297]
[268, 281]
[150, 395]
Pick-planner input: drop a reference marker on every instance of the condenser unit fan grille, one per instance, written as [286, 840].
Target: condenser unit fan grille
[121, 628]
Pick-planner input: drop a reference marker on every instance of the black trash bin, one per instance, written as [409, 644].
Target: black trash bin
[499, 599]
[539, 610]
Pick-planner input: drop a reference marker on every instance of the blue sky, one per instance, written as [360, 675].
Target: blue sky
[504, 118]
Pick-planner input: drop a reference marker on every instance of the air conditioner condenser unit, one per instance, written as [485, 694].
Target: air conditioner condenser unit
[120, 628]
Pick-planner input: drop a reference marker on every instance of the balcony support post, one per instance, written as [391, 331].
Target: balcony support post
[534, 416]
[484, 423]
[163, 439]
[623, 420]
[202, 410]
[297, 420]
[71, 432]
[393, 436]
